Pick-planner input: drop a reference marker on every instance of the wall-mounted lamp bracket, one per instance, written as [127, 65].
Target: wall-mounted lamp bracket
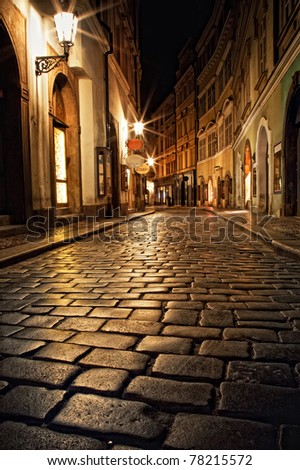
[45, 64]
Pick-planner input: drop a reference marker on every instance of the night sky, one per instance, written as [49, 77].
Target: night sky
[165, 26]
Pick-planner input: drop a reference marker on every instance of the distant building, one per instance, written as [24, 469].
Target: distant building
[247, 108]
[64, 133]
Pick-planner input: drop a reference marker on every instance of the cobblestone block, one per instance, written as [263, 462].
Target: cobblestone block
[107, 312]
[140, 303]
[8, 330]
[46, 334]
[53, 302]
[146, 314]
[37, 310]
[52, 374]
[254, 334]
[277, 352]
[104, 340]
[226, 305]
[260, 372]
[150, 290]
[15, 347]
[188, 367]
[138, 327]
[110, 416]
[225, 349]
[31, 402]
[19, 436]
[128, 360]
[195, 332]
[216, 318]
[3, 384]
[209, 297]
[297, 372]
[194, 432]
[14, 305]
[265, 324]
[41, 321]
[249, 298]
[170, 394]
[289, 437]
[181, 317]
[260, 315]
[71, 311]
[189, 290]
[165, 297]
[12, 318]
[292, 314]
[81, 324]
[289, 298]
[61, 352]
[289, 336]
[296, 324]
[95, 303]
[120, 296]
[164, 344]
[260, 402]
[103, 381]
[268, 306]
[191, 305]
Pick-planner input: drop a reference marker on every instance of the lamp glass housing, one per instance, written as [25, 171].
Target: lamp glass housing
[66, 27]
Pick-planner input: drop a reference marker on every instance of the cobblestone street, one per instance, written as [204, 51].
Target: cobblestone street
[170, 332]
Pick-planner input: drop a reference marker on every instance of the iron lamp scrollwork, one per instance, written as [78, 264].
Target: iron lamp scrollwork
[66, 27]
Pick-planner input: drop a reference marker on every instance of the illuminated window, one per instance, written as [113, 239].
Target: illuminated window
[60, 166]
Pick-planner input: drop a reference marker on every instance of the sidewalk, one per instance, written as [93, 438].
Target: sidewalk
[27, 244]
[283, 234]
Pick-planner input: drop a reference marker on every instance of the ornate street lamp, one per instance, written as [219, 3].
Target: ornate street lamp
[66, 27]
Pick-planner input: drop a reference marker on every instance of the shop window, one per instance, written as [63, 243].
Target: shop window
[277, 170]
[104, 172]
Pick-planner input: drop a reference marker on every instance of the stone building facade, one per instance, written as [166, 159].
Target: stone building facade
[64, 133]
[247, 69]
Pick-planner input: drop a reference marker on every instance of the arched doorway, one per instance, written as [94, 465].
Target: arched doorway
[66, 186]
[12, 187]
[263, 170]
[292, 156]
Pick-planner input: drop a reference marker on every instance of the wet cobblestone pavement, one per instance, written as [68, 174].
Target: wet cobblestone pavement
[167, 333]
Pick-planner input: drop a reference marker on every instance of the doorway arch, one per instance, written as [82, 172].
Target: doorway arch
[263, 170]
[292, 153]
[12, 187]
[66, 181]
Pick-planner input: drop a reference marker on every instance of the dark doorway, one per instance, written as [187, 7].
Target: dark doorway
[12, 200]
[115, 168]
[292, 156]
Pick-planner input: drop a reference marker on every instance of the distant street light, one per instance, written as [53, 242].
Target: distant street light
[138, 128]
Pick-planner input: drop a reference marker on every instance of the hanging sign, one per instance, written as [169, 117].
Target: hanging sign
[135, 144]
[134, 160]
[142, 169]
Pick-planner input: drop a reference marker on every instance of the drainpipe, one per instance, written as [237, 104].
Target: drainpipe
[106, 79]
